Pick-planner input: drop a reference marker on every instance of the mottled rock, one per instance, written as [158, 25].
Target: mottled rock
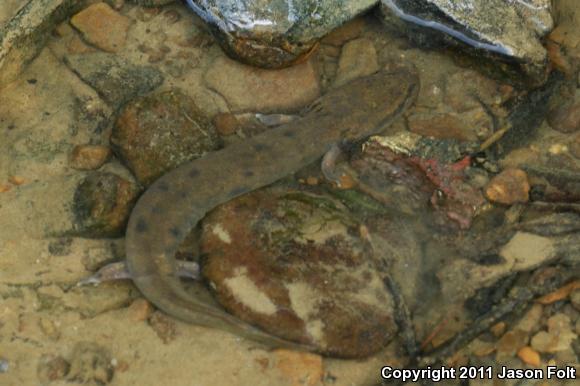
[294, 265]
[274, 33]
[103, 202]
[508, 187]
[252, 89]
[565, 119]
[508, 28]
[357, 59]
[102, 26]
[114, 78]
[90, 363]
[89, 157]
[159, 132]
[51, 368]
[26, 32]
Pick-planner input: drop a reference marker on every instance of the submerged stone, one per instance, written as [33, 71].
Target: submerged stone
[296, 265]
[160, 131]
[511, 28]
[274, 33]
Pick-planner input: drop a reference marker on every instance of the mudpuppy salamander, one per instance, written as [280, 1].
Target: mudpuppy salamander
[175, 203]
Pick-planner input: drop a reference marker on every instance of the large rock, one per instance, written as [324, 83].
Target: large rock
[509, 28]
[160, 131]
[297, 265]
[23, 35]
[253, 89]
[274, 33]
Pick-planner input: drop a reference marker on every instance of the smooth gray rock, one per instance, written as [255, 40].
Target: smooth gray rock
[511, 28]
[274, 33]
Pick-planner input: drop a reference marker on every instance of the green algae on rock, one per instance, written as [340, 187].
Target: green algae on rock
[102, 204]
[296, 265]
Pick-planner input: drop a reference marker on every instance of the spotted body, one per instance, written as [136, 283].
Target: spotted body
[175, 203]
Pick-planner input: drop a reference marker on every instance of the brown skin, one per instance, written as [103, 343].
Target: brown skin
[176, 202]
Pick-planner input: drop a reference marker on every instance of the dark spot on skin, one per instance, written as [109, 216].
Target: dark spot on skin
[248, 173]
[193, 173]
[175, 232]
[163, 186]
[141, 226]
[237, 191]
[156, 209]
[260, 147]
[183, 194]
[289, 133]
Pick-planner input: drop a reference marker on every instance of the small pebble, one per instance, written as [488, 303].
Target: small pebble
[498, 329]
[347, 182]
[312, 180]
[226, 123]
[509, 187]
[89, 157]
[530, 356]
[559, 294]
[140, 310]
